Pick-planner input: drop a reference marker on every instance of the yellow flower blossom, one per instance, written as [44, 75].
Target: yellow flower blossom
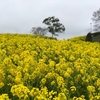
[1, 84]
[73, 88]
[98, 82]
[4, 97]
[20, 91]
[43, 81]
[91, 88]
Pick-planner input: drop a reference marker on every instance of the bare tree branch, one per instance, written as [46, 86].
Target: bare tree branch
[96, 20]
[39, 30]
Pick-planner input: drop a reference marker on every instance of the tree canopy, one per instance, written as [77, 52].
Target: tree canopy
[54, 26]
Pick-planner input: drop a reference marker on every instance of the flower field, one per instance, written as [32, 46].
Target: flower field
[35, 68]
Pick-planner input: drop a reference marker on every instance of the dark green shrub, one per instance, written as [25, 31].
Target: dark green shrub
[95, 34]
[96, 37]
[89, 37]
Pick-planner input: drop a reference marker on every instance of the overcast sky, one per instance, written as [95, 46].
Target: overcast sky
[19, 16]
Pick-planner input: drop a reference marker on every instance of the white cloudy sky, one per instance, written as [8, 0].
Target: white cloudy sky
[19, 16]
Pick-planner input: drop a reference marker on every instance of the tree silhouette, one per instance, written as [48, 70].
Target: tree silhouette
[39, 30]
[54, 26]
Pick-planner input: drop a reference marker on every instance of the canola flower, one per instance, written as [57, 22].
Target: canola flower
[4, 97]
[35, 68]
[20, 91]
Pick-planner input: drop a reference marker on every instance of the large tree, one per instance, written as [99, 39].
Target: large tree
[39, 30]
[54, 26]
[96, 20]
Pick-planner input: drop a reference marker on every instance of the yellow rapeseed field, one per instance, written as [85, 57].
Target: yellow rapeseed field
[36, 68]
